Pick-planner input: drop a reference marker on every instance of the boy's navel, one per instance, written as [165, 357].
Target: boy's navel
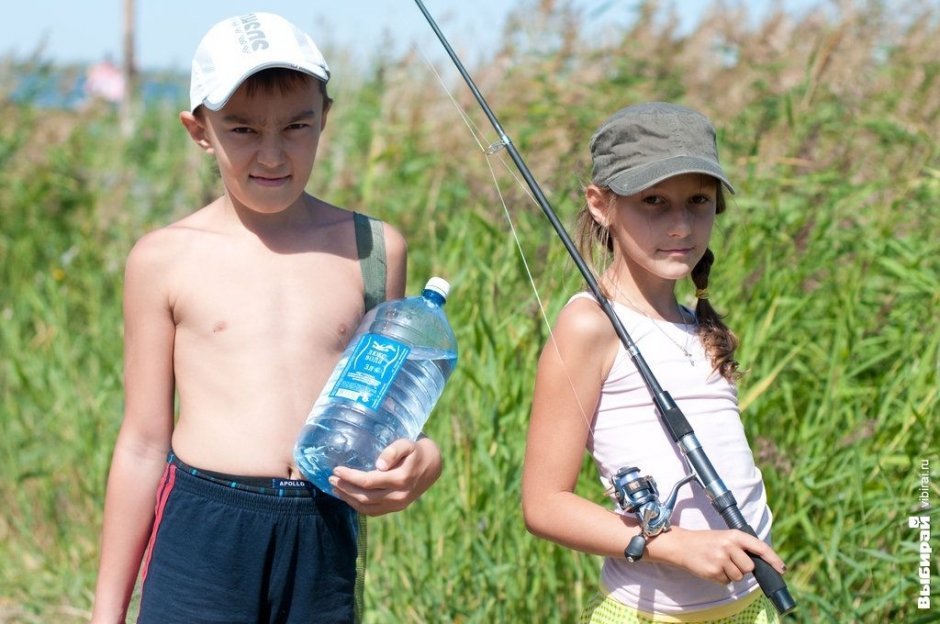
[219, 326]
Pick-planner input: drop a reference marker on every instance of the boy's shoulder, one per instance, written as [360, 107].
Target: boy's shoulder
[170, 238]
[201, 228]
[335, 217]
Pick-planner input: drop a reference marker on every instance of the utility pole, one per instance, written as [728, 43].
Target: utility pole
[129, 71]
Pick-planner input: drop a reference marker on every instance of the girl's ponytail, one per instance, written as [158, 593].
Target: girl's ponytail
[719, 341]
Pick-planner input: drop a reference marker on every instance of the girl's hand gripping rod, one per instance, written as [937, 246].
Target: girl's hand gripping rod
[721, 498]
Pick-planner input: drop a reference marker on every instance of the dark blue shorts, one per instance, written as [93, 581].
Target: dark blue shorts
[247, 550]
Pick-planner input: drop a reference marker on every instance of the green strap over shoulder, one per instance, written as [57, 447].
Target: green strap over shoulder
[370, 245]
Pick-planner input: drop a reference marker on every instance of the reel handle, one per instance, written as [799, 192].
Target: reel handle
[634, 550]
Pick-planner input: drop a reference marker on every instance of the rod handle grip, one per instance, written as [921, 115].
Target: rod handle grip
[770, 581]
[773, 586]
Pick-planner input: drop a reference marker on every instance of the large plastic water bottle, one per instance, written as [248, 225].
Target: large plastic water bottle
[383, 387]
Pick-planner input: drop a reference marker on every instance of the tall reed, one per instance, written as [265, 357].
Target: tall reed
[828, 266]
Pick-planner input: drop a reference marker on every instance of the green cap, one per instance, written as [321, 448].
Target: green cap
[641, 145]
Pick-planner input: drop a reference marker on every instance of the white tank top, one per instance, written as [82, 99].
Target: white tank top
[627, 431]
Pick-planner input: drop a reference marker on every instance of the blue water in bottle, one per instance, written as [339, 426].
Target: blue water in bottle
[384, 386]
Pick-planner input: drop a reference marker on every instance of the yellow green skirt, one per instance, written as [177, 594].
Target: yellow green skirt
[753, 609]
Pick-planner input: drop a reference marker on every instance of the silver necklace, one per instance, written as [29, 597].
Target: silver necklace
[684, 348]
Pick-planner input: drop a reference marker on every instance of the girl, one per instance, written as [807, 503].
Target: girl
[657, 186]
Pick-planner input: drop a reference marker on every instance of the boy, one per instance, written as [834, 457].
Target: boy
[242, 309]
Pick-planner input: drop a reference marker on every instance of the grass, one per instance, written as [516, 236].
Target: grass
[828, 266]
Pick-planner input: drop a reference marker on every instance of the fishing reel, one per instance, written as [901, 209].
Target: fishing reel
[638, 495]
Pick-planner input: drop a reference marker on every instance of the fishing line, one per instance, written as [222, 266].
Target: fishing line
[494, 150]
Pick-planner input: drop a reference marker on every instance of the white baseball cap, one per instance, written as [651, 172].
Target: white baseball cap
[243, 45]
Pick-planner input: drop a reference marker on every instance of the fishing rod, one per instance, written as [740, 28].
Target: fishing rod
[634, 493]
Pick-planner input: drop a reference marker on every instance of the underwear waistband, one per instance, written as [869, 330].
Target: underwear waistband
[272, 486]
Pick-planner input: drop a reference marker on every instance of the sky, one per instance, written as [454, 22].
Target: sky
[169, 30]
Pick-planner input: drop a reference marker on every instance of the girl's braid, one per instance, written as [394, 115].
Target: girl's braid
[719, 341]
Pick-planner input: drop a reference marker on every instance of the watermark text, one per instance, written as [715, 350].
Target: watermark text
[922, 525]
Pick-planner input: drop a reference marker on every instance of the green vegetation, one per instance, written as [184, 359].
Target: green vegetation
[828, 267]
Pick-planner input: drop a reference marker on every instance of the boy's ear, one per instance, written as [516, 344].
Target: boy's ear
[197, 130]
[326, 109]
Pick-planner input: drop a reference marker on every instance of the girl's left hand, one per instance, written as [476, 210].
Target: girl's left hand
[404, 471]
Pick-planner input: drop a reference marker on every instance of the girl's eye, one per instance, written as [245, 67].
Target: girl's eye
[653, 200]
[700, 199]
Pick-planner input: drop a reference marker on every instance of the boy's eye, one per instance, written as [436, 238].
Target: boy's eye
[298, 126]
[242, 130]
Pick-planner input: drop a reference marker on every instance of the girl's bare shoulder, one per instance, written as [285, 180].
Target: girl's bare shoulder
[584, 334]
[583, 319]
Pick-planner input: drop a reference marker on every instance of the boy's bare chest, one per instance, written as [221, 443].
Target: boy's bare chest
[311, 298]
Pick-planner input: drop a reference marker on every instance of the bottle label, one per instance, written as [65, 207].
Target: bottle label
[371, 368]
